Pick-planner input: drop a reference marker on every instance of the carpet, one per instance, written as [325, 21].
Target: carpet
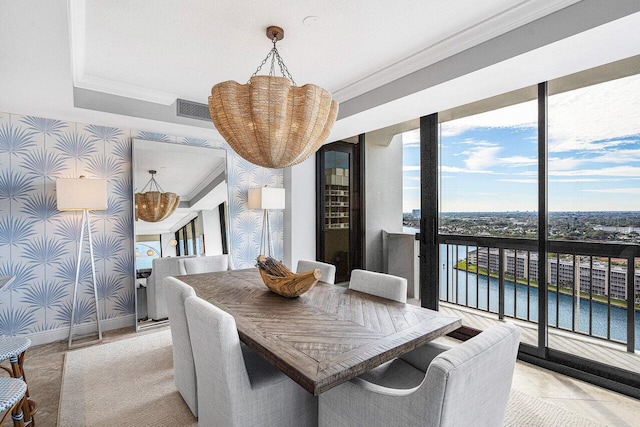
[123, 383]
[130, 382]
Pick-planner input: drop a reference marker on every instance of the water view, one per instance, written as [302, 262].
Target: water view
[475, 295]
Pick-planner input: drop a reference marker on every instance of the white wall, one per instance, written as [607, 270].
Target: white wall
[300, 212]
[167, 249]
[383, 193]
[210, 223]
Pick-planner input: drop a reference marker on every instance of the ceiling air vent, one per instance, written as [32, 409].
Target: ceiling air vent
[193, 110]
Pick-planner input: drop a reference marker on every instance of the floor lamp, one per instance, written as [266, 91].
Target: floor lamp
[80, 194]
[266, 198]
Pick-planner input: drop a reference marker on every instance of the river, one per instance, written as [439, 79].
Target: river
[564, 312]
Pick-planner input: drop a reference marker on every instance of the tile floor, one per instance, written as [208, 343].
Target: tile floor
[44, 365]
[601, 405]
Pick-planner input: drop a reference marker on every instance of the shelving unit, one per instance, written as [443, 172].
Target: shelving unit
[336, 199]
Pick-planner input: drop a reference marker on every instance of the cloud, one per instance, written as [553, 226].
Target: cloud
[523, 115]
[618, 156]
[622, 171]
[518, 161]
[520, 180]
[455, 169]
[410, 168]
[481, 157]
[595, 117]
[615, 190]
[567, 163]
[562, 146]
[412, 178]
[574, 180]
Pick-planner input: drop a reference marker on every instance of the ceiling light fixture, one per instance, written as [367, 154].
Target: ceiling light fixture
[270, 121]
[155, 205]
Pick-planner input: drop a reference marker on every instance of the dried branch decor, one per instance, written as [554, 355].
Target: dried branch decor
[279, 279]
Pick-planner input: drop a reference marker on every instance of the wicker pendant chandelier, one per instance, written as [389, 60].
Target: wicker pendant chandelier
[270, 121]
[155, 205]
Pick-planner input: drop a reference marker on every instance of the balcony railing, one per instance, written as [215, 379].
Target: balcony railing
[593, 289]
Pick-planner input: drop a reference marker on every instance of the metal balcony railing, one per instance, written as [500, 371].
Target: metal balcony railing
[593, 288]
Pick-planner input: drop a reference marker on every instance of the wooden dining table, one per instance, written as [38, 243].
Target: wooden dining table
[324, 337]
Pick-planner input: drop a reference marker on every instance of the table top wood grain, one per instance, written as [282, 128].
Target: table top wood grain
[326, 336]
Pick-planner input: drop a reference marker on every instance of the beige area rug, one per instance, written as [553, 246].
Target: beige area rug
[123, 383]
[130, 382]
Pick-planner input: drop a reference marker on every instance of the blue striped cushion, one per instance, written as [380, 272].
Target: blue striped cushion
[13, 346]
[11, 391]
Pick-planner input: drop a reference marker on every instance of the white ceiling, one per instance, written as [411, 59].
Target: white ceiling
[385, 61]
[195, 174]
[161, 50]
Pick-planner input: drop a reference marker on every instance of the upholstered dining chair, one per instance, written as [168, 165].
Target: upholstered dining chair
[467, 385]
[184, 369]
[237, 386]
[379, 284]
[206, 264]
[328, 270]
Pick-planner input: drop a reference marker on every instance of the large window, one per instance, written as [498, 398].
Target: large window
[569, 275]
[594, 160]
[190, 239]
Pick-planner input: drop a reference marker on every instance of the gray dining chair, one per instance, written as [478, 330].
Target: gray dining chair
[206, 264]
[184, 370]
[467, 385]
[379, 284]
[328, 270]
[237, 386]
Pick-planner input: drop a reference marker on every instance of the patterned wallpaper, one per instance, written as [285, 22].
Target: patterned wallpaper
[38, 244]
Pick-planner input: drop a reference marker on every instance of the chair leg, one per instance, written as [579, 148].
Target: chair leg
[16, 414]
[29, 407]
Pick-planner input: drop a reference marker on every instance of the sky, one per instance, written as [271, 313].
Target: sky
[489, 160]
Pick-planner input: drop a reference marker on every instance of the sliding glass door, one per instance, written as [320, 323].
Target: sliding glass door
[530, 215]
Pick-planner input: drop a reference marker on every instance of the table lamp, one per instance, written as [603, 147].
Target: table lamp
[266, 198]
[81, 194]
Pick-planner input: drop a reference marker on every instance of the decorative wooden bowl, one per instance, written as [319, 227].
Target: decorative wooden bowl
[291, 285]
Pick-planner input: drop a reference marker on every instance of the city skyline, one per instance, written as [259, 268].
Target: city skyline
[489, 160]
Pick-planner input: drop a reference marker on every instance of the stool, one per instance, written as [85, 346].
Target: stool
[12, 394]
[14, 350]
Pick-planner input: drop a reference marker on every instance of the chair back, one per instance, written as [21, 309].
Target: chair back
[470, 384]
[379, 284]
[205, 264]
[161, 268]
[220, 369]
[328, 270]
[184, 369]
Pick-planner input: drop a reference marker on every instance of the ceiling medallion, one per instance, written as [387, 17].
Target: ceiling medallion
[270, 121]
[155, 204]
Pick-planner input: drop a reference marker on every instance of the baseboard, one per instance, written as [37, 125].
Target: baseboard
[60, 334]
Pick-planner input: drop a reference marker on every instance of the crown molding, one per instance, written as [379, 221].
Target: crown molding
[516, 16]
[112, 87]
[76, 10]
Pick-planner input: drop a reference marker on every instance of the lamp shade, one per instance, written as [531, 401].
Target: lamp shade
[76, 194]
[266, 198]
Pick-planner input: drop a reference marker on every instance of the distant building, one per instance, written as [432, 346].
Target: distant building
[592, 273]
[416, 213]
